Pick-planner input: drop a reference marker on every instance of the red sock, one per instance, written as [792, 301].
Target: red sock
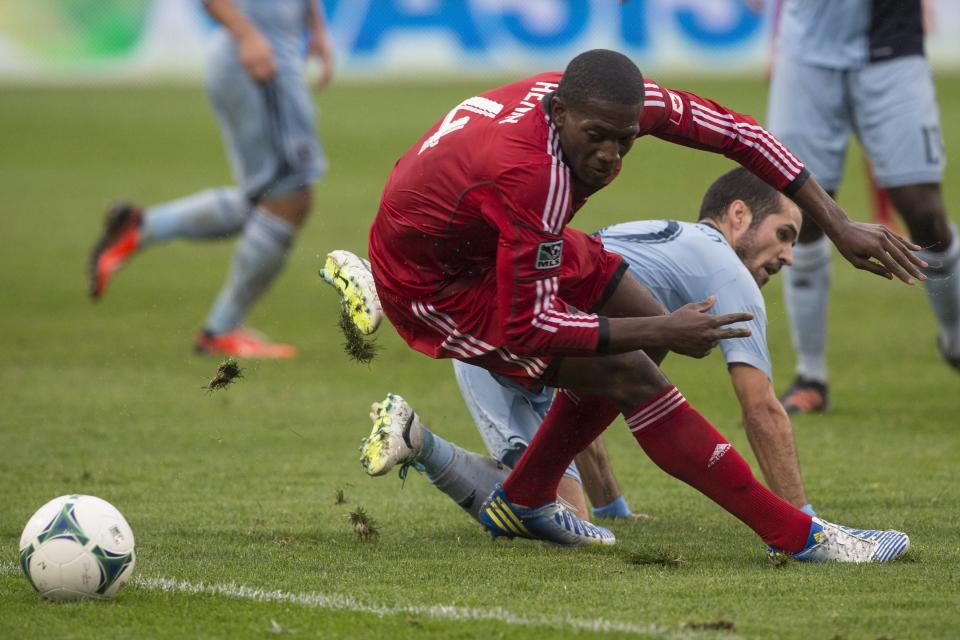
[572, 423]
[681, 442]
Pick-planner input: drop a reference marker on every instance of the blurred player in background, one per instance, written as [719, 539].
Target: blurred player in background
[256, 84]
[745, 234]
[473, 260]
[859, 66]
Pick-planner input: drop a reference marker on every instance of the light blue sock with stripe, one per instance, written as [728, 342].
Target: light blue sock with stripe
[214, 213]
[260, 255]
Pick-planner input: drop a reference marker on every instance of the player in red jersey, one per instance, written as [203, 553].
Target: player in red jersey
[473, 260]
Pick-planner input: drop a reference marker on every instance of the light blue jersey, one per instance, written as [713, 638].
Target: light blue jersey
[682, 262]
[826, 33]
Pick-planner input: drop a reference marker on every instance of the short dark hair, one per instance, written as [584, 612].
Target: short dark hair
[601, 74]
[740, 184]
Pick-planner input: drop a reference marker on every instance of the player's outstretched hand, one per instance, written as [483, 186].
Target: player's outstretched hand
[256, 56]
[875, 248]
[692, 331]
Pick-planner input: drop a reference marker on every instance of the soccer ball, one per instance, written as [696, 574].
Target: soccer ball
[77, 547]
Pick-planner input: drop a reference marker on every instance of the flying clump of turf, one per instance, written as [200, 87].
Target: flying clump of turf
[363, 525]
[227, 373]
[355, 344]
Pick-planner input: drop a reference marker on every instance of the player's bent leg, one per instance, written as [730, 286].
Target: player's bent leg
[677, 438]
[351, 276]
[260, 256]
[118, 243]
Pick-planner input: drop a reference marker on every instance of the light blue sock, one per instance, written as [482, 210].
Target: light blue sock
[806, 288]
[808, 509]
[616, 509]
[214, 213]
[260, 255]
[466, 477]
[435, 453]
[943, 290]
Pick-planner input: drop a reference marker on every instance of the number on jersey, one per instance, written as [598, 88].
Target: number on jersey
[481, 106]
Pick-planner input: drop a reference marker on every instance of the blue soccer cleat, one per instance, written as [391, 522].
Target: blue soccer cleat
[830, 542]
[552, 522]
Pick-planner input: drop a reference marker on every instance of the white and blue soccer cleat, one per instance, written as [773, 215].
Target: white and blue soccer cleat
[830, 542]
[395, 438]
[552, 522]
[352, 277]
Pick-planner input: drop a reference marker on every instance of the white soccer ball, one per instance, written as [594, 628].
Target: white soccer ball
[77, 547]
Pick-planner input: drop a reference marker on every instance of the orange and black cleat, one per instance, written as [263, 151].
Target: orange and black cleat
[120, 240]
[242, 343]
[806, 396]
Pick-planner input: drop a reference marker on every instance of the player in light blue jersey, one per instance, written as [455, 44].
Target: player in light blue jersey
[744, 236]
[255, 81]
[859, 66]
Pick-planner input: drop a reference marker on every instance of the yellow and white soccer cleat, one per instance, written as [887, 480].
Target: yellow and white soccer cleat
[395, 438]
[352, 277]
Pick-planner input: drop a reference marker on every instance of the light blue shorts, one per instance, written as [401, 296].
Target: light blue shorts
[507, 415]
[268, 129]
[891, 106]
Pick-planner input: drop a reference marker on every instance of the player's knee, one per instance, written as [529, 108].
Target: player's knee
[922, 209]
[631, 378]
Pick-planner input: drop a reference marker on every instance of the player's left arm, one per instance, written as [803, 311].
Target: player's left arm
[320, 45]
[769, 432]
[693, 121]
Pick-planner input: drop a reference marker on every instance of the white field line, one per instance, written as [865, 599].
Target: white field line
[340, 602]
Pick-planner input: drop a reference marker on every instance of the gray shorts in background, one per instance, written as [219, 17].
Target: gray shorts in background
[890, 106]
[268, 129]
[507, 416]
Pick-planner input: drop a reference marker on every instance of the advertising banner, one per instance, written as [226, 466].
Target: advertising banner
[144, 40]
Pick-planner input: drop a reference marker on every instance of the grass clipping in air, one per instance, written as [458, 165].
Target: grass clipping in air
[357, 346]
[363, 525]
[227, 373]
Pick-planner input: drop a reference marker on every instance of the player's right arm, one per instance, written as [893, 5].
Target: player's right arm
[254, 51]
[769, 431]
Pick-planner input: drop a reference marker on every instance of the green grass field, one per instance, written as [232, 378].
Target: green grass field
[231, 494]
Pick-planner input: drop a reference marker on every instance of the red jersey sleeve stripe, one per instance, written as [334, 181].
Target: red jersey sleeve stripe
[756, 131]
[737, 135]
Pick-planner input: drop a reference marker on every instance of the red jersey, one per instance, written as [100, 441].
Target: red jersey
[486, 193]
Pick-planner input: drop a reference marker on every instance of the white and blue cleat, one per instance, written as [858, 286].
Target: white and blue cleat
[830, 542]
[552, 522]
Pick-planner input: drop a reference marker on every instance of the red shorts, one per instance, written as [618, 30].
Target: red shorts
[464, 324]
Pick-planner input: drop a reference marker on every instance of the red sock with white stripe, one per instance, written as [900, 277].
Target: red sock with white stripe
[571, 424]
[681, 442]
